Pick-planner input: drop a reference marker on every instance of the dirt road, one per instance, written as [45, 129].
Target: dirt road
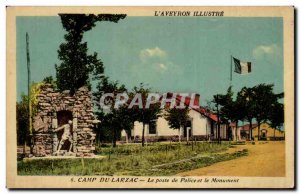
[265, 159]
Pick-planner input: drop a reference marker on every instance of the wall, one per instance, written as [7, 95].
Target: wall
[201, 127]
[270, 132]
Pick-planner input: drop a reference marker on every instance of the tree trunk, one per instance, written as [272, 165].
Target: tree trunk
[250, 129]
[218, 121]
[114, 138]
[227, 131]
[236, 130]
[126, 136]
[179, 134]
[258, 130]
[31, 143]
[98, 137]
[274, 134]
[219, 133]
[143, 135]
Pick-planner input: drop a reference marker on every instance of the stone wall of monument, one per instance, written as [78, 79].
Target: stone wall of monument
[45, 121]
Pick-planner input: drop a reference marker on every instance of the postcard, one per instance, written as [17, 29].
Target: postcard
[150, 97]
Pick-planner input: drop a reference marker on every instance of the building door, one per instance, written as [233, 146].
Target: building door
[263, 134]
[230, 135]
[187, 127]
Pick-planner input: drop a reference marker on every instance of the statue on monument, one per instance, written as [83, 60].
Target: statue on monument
[67, 135]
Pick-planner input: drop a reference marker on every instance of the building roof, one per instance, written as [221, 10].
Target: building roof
[206, 112]
[202, 110]
[247, 127]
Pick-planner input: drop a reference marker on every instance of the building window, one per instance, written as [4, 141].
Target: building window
[152, 127]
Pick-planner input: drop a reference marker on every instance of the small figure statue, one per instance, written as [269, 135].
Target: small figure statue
[65, 136]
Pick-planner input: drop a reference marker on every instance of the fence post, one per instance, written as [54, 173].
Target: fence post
[192, 145]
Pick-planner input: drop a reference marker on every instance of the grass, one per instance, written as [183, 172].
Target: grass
[159, 159]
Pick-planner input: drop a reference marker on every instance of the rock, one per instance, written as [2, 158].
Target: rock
[66, 92]
[83, 89]
[49, 89]
[41, 95]
[44, 104]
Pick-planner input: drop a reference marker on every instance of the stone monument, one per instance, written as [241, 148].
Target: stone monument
[63, 124]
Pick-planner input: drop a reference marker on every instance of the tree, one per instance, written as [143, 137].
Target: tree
[123, 118]
[230, 110]
[50, 80]
[217, 101]
[223, 108]
[264, 102]
[109, 117]
[144, 114]
[113, 119]
[22, 120]
[177, 118]
[24, 130]
[76, 65]
[238, 113]
[246, 99]
[276, 116]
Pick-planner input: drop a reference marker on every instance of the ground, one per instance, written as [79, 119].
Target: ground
[169, 159]
[265, 159]
[155, 159]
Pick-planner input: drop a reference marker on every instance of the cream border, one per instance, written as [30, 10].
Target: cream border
[15, 181]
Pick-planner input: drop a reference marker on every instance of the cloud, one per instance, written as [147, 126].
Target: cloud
[152, 53]
[267, 51]
[162, 66]
[155, 67]
[155, 61]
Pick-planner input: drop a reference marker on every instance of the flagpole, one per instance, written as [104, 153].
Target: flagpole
[230, 69]
[29, 92]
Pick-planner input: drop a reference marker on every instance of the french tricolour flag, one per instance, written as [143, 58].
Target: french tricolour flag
[241, 67]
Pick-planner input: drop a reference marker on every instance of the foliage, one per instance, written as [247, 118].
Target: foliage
[226, 105]
[114, 120]
[22, 119]
[225, 108]
[259, 102]
[246, 99]
[23, 128]
[50, 80]
[177, 117]
[76, 64]
[145, 114]
[35, 90]
[264, 97]
[276, 116]
[264, 103]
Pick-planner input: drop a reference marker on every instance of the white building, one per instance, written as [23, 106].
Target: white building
[202, 126]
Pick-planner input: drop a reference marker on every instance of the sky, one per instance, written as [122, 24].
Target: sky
[169, 54]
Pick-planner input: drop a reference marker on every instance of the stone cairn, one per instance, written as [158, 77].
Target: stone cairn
[50, 102]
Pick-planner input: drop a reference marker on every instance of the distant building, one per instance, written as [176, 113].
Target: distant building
[266, 132]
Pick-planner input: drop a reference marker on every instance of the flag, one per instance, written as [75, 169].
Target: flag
[241, 67]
